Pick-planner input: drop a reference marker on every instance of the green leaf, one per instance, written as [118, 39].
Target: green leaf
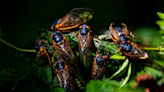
[93, 54]
[160, 23]
[102, 36]
[121, 68]
[117, 56]
[98, 86]
[160, 15]
[74, 38]
[45, 74]
[96, 43]
[55, 81]
[59, 89]
[128, 76]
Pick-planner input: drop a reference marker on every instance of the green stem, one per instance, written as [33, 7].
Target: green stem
[153, 48]
[19, 49]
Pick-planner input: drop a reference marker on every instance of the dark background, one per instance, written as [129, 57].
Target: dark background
[20, 20]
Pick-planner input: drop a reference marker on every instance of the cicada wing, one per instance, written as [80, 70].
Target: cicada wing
[68, 80]
[59, 78]
[74, 18]
[94, 70]
[85, 51]
[113, 33]
[101, 71]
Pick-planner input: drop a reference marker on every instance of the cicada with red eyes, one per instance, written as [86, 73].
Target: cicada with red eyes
[85, 45]
[64, 49]
[99, 66]
[42, 54]
[64, 76]
[73, 19]
[130, 49]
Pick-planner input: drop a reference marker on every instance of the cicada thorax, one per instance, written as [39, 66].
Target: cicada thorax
[64, 76]
[98, 67]
[73, 19]
[64, 49]
[42, 54]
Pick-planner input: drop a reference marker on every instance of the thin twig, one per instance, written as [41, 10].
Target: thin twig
[19, 49]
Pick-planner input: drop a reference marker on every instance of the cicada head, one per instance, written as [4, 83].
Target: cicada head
[100, 59]
[39, 43]
[54, 25]
[59, 64]
[57, 37]
[84, 29]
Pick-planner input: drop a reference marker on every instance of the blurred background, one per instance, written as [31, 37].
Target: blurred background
[20, 20]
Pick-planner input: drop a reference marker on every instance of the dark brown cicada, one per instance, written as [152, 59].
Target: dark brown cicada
[64, 76]
[73, 19]
[42, 54]
[98, 67]
[65, 51]
[130, 49]
[85, 45]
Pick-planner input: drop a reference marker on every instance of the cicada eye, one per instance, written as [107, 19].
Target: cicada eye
[80, 27]
[97, 55]
[105, 57]
[51, 35]
[88, 27]
[52, 28]
[40, 41]
[62, 60]
[55, 62]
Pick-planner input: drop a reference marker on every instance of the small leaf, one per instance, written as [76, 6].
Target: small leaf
[102, 36]
[128, 76]
[160, 23]
[160, 15]
[55, 81]
[121, 68]
[96, 43]
[117, 56]
[93, 54]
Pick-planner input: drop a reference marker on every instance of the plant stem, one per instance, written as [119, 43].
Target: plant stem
[153, 48]
[19, 49]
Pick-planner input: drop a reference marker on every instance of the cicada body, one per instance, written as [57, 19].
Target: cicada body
[98, 67]
[85, 45]
[42, 54]
[64, 76]
[73, 19]
[65, 51]
[132, 50]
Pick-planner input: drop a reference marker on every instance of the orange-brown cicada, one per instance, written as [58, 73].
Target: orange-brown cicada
[73, 19]
[65, 51]
[42, 54]
[64, 76]
[130, 49]
[98, 67]
[85, 45]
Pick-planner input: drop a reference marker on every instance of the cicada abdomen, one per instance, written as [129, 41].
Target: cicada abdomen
[64, 76]
[42, 54]
[98, 67]
[65, 51]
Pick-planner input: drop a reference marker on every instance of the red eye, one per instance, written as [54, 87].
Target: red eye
[128, 41]
[52, 28]
[59, 31]
[105, 57]
[120, 49]
[62, 60]
[123, 41]
[80, 27]
[55, 62]
[88, 27]
[97, 55]
[51, 35]
[40, 41]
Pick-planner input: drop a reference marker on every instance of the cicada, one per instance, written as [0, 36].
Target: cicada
[130, 49]
[63, 48]
[98, 67]
[64, 76]
[42, 54]
[73, 19]
[85, 45]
